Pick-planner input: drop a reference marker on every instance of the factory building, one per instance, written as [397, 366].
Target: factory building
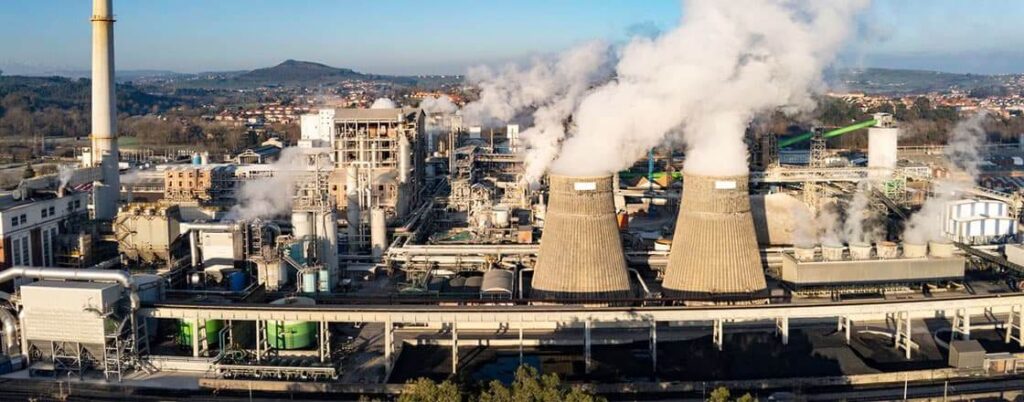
[201, 184]
[32, 226]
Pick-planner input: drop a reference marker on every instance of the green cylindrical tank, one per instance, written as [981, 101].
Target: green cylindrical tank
[185, 332]
[292, 334]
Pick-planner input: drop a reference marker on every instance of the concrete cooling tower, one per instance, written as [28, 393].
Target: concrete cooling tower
[581, 253]
[714, 251]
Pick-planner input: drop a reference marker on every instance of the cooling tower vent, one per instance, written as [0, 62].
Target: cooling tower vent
[580, 252]
[714, 255]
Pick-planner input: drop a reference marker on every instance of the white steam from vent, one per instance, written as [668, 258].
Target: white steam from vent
[383, 103]
[272, 196]
[963, 149]
[708, 78]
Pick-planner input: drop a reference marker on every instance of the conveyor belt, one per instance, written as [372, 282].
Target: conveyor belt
[995, 259]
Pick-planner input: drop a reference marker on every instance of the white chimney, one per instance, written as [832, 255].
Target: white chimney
[104, 112]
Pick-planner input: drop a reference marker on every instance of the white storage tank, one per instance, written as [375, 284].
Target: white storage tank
[302, 224]
[501, 216]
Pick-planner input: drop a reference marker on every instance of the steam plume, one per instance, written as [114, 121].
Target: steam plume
[963, 149]
[383, 103]
[725, 63]
[272, 196]
[541, 97]
[440, 105]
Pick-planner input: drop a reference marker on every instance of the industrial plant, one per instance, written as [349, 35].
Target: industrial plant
[315, 267]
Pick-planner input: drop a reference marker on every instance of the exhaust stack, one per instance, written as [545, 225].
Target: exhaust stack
[581, 253]
[104, 112]
[714, 251]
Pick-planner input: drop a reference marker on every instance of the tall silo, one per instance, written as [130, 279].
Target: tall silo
[714, 254]
[581, 253]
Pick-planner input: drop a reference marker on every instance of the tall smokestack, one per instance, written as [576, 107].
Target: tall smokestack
[580, 253]
[104, 114]
[714, 251]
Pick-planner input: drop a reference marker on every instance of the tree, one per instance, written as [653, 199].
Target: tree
[722, 394]
[529, 385]
[426, 390]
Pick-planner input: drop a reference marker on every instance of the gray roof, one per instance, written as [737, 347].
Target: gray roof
[375, 114]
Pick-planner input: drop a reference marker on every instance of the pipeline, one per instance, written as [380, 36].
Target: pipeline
[828, 134]
[10, 329]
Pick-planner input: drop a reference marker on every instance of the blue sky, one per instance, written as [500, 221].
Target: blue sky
[446, 36]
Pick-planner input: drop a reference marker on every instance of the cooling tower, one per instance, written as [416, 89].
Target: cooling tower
[714, 252]
[580, 253]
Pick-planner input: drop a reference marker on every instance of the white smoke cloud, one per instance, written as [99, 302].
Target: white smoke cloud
[725, 63]
[65, 173]
[963, 149]
[541, 97]
[440, 105]
[383, 103]
[862, 224]
[272, 196]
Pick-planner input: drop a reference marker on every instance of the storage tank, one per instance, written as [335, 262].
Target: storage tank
[715, 252]
[804, 253]
[887, 250]
[501, 216]
[185, 333]
[832, 252]
[860, 251]
[309, 283]
[914, 250]
[581, 254]
[236, 280]
[940, 248]
[289, 335]
[378, 233]
[302, 224]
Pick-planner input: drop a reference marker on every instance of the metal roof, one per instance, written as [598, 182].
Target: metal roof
[497, 280]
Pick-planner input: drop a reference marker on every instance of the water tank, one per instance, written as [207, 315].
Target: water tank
[914, 250]
[941, 249]
[324, 281]
[292, 334]
[196, 159]
[832, 252]
[860, 251]
[185, 332]
[378, 233]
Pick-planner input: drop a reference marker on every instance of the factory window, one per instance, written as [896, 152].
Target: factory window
[78, 204]
[22, 219]
[51, 211]
[15, 255]
[42, 212]
[47, 252]
[14, 221]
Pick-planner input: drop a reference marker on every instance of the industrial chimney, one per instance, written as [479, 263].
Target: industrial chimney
[580, 253]
[104, 113]
[714, 251]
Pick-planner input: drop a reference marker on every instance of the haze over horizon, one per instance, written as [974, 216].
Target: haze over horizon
[447, 38]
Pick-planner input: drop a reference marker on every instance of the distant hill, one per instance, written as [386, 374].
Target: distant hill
[894, 82]
[300, 72]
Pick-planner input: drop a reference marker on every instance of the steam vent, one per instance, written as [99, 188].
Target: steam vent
[581, 253]
[714, 252]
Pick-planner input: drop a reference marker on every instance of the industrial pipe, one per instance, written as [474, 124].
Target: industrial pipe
[10, 329]
[44, 273]
[828, 134]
